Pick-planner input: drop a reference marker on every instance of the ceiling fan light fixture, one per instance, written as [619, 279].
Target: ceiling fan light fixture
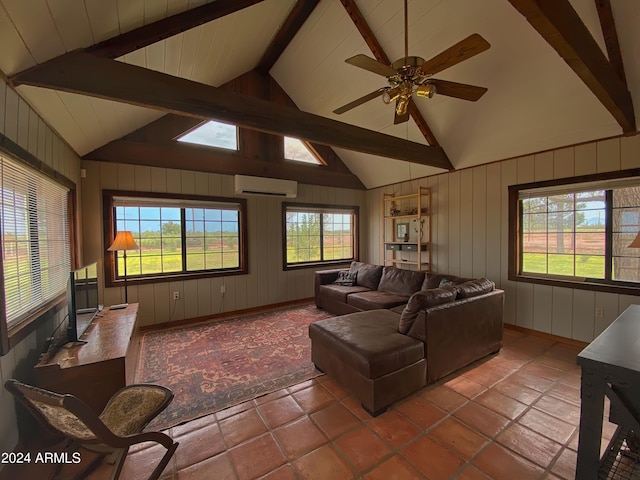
[427, 90]
[391, 94]
[402, 105]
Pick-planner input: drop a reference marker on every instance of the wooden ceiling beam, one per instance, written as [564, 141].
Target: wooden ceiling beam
[298, 15]
[168, 27]
[87, 74]
[378, 52]
[204, 159]
[253, 145]
[610, 34]
[559, 24]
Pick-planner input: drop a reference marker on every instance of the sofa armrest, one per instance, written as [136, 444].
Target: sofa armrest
[459, 333]
[324, 277]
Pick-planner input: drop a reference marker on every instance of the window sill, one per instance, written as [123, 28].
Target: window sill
[30, 324]
[173, 277]
[297, 266]
[581, 284]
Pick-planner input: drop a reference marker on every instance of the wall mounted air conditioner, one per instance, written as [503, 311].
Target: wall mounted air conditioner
[272, 187]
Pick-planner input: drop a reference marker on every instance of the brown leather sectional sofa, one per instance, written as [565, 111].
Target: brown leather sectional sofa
[398, 330]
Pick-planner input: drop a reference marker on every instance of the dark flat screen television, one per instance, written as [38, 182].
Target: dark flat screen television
[83, 302]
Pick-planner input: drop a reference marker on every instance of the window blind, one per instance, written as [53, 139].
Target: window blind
[34, 221]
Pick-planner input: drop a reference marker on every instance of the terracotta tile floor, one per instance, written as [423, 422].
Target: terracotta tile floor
[513, 416]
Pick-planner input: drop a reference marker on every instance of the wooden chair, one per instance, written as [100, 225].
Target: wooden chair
[114, 431]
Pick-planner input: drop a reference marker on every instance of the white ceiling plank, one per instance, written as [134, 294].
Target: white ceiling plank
[109, 121]
[71, 23]
[155, 56]
[37, 28]
[49, 105]
[176, 6]
[172, 54]
[103, 19]
[86, 118]
[14, 54]
[154, 10]
[131, 14]
[136, 57]
[190, 41]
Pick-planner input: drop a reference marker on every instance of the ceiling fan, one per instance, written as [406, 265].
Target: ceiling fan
[413, 75]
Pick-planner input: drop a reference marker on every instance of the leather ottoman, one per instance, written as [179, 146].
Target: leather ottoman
[366, 354]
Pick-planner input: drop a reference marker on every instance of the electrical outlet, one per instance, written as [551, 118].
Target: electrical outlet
[223, 289]
[599, 312]
[176, 295]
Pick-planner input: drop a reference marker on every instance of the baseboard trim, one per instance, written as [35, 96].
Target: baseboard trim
[223, 316]
[547, 336]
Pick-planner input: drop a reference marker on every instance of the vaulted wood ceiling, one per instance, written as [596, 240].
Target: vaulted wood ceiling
[101, 70]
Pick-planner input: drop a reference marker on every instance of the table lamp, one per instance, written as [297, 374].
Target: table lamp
[124, 241]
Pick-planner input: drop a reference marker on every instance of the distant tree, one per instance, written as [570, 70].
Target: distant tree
[171, 239]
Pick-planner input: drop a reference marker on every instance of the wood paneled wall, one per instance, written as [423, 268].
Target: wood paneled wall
[266, 283]
[21, 124]
[469, 232]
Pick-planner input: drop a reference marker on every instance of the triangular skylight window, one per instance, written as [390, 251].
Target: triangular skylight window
[213, 134]
[295, 149]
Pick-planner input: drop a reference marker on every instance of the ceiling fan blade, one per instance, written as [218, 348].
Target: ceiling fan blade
[458, 90]
[400, 118]
[359, 101]
[463, 50]
[371, 65]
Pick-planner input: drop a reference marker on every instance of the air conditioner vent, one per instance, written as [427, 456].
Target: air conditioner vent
[271, 187]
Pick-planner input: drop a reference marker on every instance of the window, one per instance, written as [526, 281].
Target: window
[36, 252]
[317, 234]
[577, 232]
[186, 236]
[213, 134]
[298, 151]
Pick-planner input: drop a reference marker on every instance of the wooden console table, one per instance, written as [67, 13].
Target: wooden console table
[610, 367]
[96, 370]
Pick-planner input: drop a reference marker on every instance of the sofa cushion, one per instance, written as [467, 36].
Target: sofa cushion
[367, 275]
[400, 282]
[374, 299]
[368, 342]
[346, 278]
[339, 293]
[421, 300]
[473, 288]
[432, 280]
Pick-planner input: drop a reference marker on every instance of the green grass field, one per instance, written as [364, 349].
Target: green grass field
[149, 261]
[591, 266]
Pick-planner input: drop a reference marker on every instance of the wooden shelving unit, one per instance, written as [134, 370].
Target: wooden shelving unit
[406, 229]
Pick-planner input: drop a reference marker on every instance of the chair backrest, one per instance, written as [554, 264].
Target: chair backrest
[64, 413]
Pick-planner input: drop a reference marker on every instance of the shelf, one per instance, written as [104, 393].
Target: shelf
[405, 246]
[405, 197]
[416, 229]
[405, 262]
[413, 215]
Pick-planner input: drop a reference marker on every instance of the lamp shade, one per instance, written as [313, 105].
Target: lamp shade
[124, 241]
[636, 242]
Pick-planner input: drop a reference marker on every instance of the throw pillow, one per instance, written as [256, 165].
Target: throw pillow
[368, 275]
[473, 288]
[445, 282]
[346, 278]
[421, 300]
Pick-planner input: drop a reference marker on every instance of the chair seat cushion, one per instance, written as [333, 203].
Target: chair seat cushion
[369, 342]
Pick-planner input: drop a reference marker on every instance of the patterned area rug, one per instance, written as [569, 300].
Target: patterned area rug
[219, 364]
